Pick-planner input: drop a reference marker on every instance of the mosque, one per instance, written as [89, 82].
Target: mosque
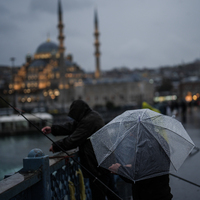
[53, 80]
[50, 76]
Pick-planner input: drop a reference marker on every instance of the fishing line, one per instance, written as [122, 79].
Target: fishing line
[184, 179]
[95, 178]
[22, 111]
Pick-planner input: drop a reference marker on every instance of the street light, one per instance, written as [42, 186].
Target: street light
[12, 72]
[12, 60]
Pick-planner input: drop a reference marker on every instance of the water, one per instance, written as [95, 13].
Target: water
[14, 148]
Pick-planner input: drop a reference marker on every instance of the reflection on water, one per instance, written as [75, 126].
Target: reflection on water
[14, 148]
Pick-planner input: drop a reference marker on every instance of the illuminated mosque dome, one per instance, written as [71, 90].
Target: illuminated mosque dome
[47, 47]
[46, 50]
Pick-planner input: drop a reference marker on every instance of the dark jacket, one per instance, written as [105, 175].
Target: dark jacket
[86, 122]
[156, 188]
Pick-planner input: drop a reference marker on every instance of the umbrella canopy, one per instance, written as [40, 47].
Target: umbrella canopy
[141, 144]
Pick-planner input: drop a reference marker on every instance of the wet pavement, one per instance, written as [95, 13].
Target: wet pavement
[190, 170]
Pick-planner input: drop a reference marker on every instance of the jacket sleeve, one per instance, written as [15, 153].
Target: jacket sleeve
[79, 136]
[64, 129]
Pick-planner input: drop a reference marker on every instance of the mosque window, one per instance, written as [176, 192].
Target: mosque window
[57, 75]
[66, 86]
[23, 99]
[45, 93]
[29, 99]
[61, 86]
[56, 92]
[70, 75]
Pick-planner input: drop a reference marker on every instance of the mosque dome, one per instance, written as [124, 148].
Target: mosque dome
[46, 50]
[47, 47]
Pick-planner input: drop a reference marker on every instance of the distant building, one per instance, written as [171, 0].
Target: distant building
[190, 88]
[48, 76]
[5, 77]
[52, 80]
[121, 92]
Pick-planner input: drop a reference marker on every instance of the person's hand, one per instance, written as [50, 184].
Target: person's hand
[114, 168]
[51, 149]
[128, 165]
[46, 130]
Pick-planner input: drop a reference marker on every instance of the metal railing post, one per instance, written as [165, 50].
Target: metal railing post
[36, 160]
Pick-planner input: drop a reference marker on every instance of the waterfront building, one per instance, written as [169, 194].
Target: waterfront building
[124, 92]
[190, 88]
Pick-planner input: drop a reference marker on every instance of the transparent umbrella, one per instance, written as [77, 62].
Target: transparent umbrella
[141, 144]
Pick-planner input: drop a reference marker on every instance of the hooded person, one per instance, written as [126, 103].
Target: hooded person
[81, 124]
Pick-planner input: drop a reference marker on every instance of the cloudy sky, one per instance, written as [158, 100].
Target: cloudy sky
[133, 33]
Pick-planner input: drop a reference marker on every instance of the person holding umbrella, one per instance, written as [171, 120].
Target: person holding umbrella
[84, 122]
[142, 147]
[156, 188]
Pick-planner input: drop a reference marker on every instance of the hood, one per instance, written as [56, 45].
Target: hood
[78, 110]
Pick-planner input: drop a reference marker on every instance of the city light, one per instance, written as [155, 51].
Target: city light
[165, 98]
[56, 92]
[151, 81]
[29, 99]
[194, 97]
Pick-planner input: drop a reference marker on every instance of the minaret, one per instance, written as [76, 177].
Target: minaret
[61, 61]
[61, 47]
[96, 44]
[60, 28]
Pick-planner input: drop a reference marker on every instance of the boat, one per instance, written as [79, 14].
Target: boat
[15, 124]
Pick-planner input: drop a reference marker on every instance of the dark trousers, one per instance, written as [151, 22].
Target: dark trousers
[99, 191]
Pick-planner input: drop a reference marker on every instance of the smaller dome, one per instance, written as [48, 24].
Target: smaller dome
[47, 47]
[38, 63]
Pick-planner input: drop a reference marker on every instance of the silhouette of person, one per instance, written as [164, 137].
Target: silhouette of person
[85, 122]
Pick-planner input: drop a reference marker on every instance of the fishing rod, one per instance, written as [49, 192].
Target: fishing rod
[184, 180]
[95, 178]
[22, 111]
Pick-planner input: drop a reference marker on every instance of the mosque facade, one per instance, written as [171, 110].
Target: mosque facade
[47, 78]
[52, 80]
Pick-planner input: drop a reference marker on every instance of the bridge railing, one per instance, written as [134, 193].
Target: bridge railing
[44, 178]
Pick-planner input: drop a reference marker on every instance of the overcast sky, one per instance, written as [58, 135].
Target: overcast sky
[133, 33]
